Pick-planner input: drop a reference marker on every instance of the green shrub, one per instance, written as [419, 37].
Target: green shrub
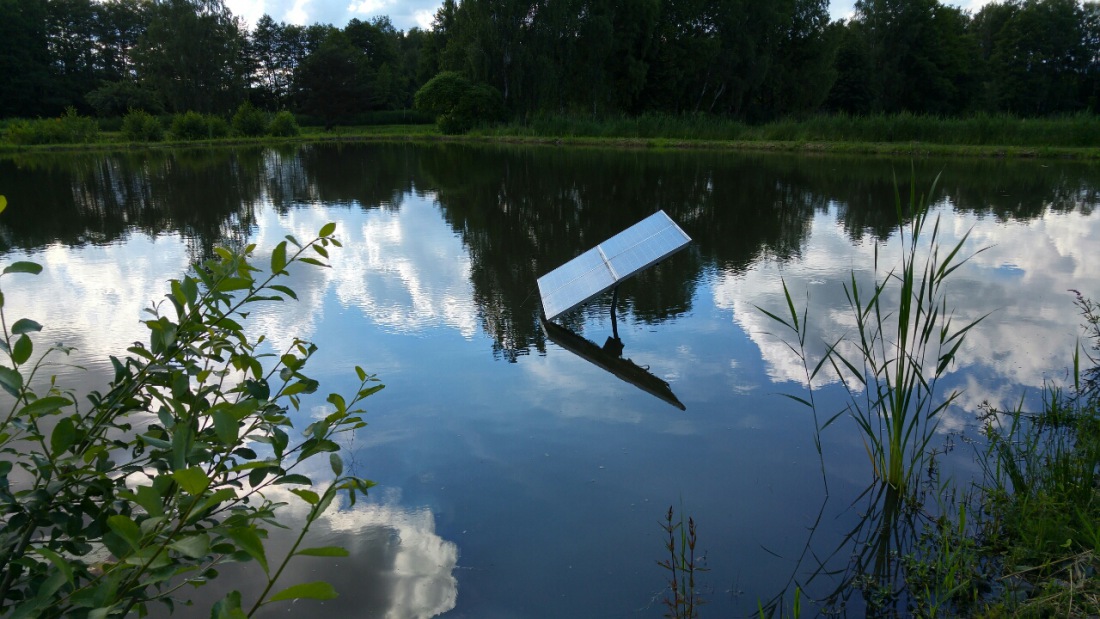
[216, 126]
[141, 126]
[459, 104]
[69, 128]
[126, 498]
[249, 121]
[195, 126]
[284, 125]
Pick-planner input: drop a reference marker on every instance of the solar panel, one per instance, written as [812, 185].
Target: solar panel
[601, 268]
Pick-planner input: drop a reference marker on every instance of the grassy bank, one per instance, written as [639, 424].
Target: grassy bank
[1076, 137]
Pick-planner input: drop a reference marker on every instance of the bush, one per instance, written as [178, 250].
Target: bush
[459, 104]
[154, 484]
[195, 126]
[216, 126]
[69, 128]
[284, 125]
[141, 126]
[249, 121]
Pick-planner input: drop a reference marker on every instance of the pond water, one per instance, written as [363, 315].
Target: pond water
[516, 478]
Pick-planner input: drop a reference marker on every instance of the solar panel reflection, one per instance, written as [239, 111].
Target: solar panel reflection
[604, 266]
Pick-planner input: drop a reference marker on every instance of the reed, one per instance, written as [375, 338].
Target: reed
[903, 348]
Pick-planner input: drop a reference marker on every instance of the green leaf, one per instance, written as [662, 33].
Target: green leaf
[11, 381]
[155, 442]
[323, 551]
[308, 496]
[25, 325]
[315, 262]
[228, 607]
[285, 290]
[59, 562]
[226, 427]
[23, 267]
[63, 436]
[127, 529]
[43, 406]
[318, 590]
[3, 203]
[193, 480]
[149, 500]
[336, 463]
[294, 478]
[230, 284]
[250, 542]
[195, 546]
[278, 258]
[22, 350]
[327, 229]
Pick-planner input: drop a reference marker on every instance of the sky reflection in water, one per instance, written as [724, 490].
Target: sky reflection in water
[516, 479]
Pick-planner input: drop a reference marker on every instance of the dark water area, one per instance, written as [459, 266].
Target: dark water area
[516, 479]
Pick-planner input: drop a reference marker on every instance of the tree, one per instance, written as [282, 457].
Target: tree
[918, 55]
[1039, 57]
[191, 55]
[24, 58]
[328, 82]
[150, 486]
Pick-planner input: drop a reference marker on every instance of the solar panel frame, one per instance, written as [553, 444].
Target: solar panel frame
[602, 268]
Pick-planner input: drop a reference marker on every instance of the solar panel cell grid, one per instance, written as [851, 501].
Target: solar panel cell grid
[602, 267]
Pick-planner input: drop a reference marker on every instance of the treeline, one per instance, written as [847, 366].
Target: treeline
[742, 59]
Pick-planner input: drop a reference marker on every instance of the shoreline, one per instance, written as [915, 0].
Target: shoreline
[407, 133]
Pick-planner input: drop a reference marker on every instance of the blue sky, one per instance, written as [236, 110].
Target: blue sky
[406, 14]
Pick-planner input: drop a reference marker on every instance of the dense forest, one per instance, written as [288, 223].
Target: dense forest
[742, 59]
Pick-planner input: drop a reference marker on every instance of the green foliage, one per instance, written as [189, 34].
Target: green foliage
[141, 126]
[1042, 494]
[283, 125]
[115, 502]
[70, 128]
[458, 103]
[249, 121]
[118, 98]
[194, 126]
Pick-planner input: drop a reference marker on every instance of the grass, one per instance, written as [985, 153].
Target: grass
[1080, 130]
[981, 135]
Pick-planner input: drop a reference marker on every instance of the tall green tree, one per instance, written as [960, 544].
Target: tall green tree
[329, 81]
[24, 58]
[191, 55]
[918, 54]
[1040, 58]
[71, 30]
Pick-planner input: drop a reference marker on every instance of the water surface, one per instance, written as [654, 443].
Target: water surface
[515, 478]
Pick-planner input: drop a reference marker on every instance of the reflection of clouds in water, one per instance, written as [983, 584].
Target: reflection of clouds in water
[405, 269]
[398, 566]
[92, 297]
[396, 556]
[1022, 278]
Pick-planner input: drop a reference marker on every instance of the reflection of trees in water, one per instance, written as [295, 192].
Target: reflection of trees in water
[519, 211]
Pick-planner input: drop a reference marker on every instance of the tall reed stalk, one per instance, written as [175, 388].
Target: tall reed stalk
[902, 351]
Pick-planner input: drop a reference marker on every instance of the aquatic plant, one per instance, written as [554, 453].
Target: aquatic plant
[684, 597]
[903, 350]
